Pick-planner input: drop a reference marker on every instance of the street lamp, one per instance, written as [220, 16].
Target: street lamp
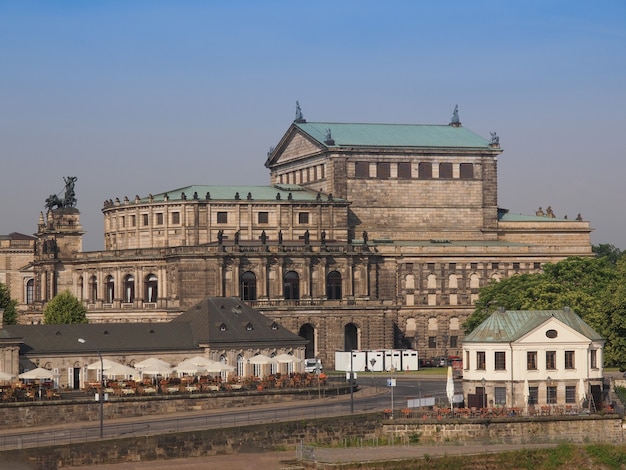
[484, 382]
[101, 391]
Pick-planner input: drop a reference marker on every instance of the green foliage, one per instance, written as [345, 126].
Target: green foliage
[9, 316]
[610, 252]
[64, 309]
[608, 455]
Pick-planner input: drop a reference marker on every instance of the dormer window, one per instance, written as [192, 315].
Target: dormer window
[274, 326]
[223, 327]
[249, 327]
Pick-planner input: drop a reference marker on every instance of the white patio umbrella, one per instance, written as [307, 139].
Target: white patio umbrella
[199, 361]
[6, 376]
[157, 369]
[262, 359]
[582, 391]
[120, 370]
[38, 373]
[526, 393]
[285, 358]
[106, 364]
[187, 367]
[450, 388]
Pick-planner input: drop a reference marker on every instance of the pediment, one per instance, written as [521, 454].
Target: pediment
[553, 331]
[294, 146]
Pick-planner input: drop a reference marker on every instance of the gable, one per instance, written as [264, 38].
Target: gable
[294, 147]
[564, 334]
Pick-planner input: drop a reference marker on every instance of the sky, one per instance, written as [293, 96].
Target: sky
[144, 96]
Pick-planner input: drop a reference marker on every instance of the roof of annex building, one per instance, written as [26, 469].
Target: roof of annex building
[276, 192]
[393, 135]
[510, 325]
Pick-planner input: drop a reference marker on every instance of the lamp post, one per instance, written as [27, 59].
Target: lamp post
[101, 391]
[351, 384]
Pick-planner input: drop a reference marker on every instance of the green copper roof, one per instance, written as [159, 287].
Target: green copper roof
[228, 193]
[513, 324]
[393, 135]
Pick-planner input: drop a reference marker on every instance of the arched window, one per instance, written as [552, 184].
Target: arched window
[30, 291]
[431, 282]
[474, 281]
[129, 288]
[93, 289]
[351, 337]
[432, 324]
[81, 288]
[333, 285]
[454, 323]
[453, 282]
[110, 289]
[240, 365]
[152, 288]
[307, 331]
[409, 281]
[247, 286]
[291, 286]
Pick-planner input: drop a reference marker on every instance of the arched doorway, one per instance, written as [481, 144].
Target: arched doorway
[307, 331]
[350, 337]
[247, 286]
[291, 285]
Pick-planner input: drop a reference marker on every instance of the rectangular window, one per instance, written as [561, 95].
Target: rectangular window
[474, 266]
[432, 342]
[146, 220]
[569, 360]
[531, 360]
[159, 218]
[533, 395]
[536, 265]
[551, 395]
[175, 218]
[452, 266]
[445, 170]
[425, 170]
[123, 221]
[480, 360]
[454, 341]
[466, 171]
[222, 217]
[263, 218]
[550, 359]
[431, 267]
[593, 359]
[383, 170]
[404, 170]
[500, 395]
[361, 169]
[303, 217]
[516, 266]
[570, 394]
[500, 360]
[133, 222]
[495, 265]
[466, 366]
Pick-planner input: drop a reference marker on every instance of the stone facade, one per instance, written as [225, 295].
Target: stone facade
[16, 257]
[370, 244]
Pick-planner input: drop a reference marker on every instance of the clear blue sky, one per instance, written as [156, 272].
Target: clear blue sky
[138, 97]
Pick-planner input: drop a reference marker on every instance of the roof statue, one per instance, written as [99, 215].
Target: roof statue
[329, 138]
[539, 212]
[69, 200]
[550, 212]
[495, 140]
[455, 117]
[299, 116]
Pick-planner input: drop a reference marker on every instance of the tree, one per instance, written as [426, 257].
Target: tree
[611, 252]
[614, 301]
[9, 317]
[583, 284]
[63, 309]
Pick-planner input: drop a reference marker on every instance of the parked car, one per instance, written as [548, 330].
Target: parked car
[311, 365]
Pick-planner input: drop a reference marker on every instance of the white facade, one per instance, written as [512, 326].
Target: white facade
[551, 363]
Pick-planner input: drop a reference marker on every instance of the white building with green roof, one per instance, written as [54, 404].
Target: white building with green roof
[535, 357]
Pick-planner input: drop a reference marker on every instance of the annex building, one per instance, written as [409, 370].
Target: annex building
[367, 236]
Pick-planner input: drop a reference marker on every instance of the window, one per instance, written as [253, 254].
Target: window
[431, 267]
[361, 169]
[550, 359]
[291, 285]
[466, 171]
[175, 218]
[129, 288]
[432, 342]
[452, 266]
[263, 217]
[466, 366]
[146, 220]
[159, 218]
[570, 394]
[454, 341]
[93, 289]
[531, 360]
[248, 286]
[495, 265]
[480, 360]
[425, 170]
[533, 395]
[500, 360]
[333, 285]
[445, 170]
[383, 170]
[123, 221]
[151, 288]
[516, 266]
[303, 217]
[551, 395]
[30, 289]
[110, 289]
[569, 360]
[133, 221]
[500, 395]
[593, 359]
[473, 266]
[536, 265]
[404, 170]
[222, 217]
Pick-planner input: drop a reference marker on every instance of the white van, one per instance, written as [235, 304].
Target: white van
[310, 365]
